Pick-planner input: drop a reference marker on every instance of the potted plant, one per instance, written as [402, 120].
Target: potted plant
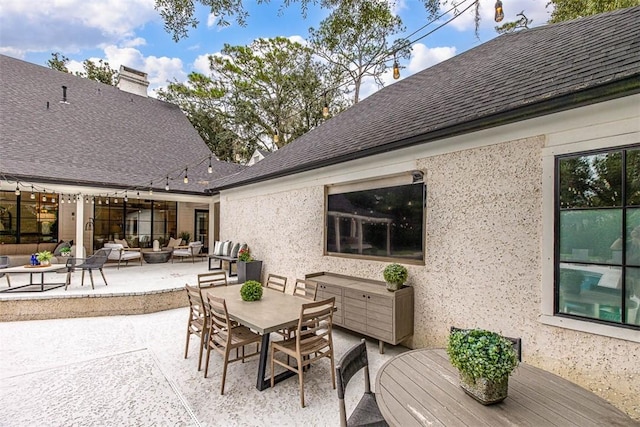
[251, 290]
[395, 275]
[66, 251]
[248, 267]
[485, 360]
[186, 236]
[44, 257]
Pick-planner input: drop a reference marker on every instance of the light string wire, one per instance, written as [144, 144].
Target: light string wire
[178, 171]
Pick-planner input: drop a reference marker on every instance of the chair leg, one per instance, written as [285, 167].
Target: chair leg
[206, 363]
[202, 336]
[103, 278]
[68, 281]
[82, 282]
[224, 369]
[273, 355]
[186, 345]
[301, 381]
[91, 277]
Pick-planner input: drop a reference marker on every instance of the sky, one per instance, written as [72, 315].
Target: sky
[131, 33]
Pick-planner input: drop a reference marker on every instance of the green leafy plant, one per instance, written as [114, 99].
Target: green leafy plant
[395, 273]
[251, 290]
[44, 256]
[65, 251]
[245, 255]
[478, 353]
[186, 236]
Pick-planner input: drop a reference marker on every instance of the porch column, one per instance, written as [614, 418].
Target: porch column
[212, 222]
[79, 241]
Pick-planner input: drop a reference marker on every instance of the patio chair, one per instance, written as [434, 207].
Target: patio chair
[4, 263]
[94, 262]
[366, 412]
[279, 283]
[123, 254]
[208, 280]
[224, 336]
[313, 341]
[192, 250]
[198, 321]
[307, 289]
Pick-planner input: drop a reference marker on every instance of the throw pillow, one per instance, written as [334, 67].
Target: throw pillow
[235, 250]
[122, 242]
[225, 247]
[217, 248]
[174, 242]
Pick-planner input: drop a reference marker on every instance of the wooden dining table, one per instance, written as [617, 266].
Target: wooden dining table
[275, 311]
[421, 388]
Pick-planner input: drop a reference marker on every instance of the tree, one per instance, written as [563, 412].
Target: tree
[273, 86]
[100, 72]
[509, 27]
[564, 10]
[354, 40]
[179, 15]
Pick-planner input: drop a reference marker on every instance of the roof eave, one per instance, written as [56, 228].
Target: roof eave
[629, 85]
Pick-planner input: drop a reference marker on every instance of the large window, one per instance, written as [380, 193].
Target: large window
[380, 222]
[28, 218]
[139, 221]
[597, 274]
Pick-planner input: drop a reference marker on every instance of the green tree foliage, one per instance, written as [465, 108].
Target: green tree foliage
[564, 10]
[354, 40]
[100, 72]
[273, 86]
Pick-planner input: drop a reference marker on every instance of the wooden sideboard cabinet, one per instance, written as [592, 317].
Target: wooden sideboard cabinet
[367, 307]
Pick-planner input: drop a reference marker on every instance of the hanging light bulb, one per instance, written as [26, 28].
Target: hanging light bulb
[396, 69]
[138, 195]
[166, 187]
[151, 189]
[100, 200]
[186, 178]
[32, 196]
[44, 196]
[126, 198]
[86, 200]
[69, 198]
[17, 190]
[499, 12]
[115, 200]
[276, 137]
[325, 109]
[93, 200]
[210, 168]
[62, 199]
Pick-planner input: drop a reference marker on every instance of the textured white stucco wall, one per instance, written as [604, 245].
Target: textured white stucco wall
[483, 264]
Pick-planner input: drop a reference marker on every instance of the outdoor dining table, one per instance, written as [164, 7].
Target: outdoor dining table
[35, 269]
[420, 387]
[275, 311]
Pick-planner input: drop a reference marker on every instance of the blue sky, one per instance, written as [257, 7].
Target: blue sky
[131, 33]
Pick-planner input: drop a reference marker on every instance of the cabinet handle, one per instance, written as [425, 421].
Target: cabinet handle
[363, 295]
[368, 296]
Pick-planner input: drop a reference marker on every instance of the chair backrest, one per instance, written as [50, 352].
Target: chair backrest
[351, 362]
[195, 247]
[279, 283]
[517, 342]
[307, 289]
[96, 260]
[196, 305]
[220, 324]
[316, 321]
[4, 261]
[116, 248]
[208, 280]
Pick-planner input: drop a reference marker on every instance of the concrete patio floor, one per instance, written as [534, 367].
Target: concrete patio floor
[130, 370]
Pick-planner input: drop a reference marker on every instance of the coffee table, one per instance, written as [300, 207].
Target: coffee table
[35, 269]
[156, 257]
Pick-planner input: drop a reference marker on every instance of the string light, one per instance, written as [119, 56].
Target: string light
[138, 194]
[115, 200]
[150, 188]
[93, 200]
[276, 137]
[396, 69]
[126, 197]
[325, 108]
[210, 168]
[499, 16]
[44, 197]
[62, 200]
[17, 190]
[32, 196]
[186, 178]
[166, 187]
[100, 200]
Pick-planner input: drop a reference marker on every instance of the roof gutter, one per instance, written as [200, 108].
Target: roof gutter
[627, 86]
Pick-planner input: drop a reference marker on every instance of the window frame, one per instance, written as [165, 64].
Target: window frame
[603, 325]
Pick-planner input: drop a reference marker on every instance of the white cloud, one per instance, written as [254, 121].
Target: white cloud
[201, 64]
[211, 20]
[138, 41]
[298, 39]
[424, 57]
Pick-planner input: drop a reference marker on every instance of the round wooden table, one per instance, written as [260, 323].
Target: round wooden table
[156, 257]
[420, 388]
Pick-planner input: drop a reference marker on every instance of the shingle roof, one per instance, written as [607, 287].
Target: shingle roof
[103, 136]
[512, 77]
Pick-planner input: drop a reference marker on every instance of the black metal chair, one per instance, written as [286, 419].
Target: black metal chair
[94, 262]
[366, 412]
[4, 263]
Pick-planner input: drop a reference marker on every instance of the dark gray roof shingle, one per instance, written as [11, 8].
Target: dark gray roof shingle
[103, 136]
[512, 77]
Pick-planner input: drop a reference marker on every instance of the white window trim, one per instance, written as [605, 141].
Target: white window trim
[575, 142]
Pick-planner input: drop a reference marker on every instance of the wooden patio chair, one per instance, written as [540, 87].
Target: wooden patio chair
[279, 283]
[366, 412]
[209, 280]
[307, 289]
[198, 320]
[313, 341]
[94, 262]
[225, 337]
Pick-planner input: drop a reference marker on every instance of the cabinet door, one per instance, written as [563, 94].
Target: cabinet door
[380, 317]
[355, 310]
[327, 291]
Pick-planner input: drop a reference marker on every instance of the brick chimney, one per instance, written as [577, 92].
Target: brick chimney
[132, 81]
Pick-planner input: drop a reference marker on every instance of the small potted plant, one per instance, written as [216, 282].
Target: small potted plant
[248, 267]
[44, 257]
[66, 251]
[395, 275]
[251, 290]
[485, 360]
[185, 236]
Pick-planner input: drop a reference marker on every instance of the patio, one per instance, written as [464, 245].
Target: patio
[130, 370]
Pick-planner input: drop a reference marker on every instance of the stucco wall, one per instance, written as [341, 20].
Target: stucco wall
[483, 259]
